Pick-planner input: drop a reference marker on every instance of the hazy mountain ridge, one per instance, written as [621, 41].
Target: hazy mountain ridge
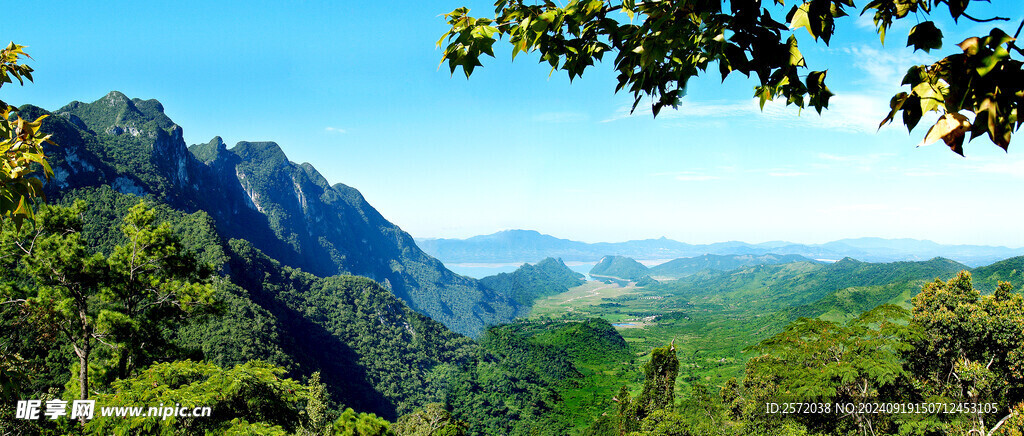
[253, 192]
[528, 245]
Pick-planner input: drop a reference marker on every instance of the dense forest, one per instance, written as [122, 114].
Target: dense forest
[530, 282]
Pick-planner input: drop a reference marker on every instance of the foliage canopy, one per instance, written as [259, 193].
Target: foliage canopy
[21, 144]
[659, 45]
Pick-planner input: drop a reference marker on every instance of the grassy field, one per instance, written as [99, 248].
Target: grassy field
[582, 301]
[709, 336]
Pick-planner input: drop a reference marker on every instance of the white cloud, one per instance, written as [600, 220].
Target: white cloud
[689, 109]
[335, 130]
[866, 21]
[849, 112]
[885, 68]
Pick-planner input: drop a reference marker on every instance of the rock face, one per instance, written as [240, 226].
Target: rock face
[253, 192]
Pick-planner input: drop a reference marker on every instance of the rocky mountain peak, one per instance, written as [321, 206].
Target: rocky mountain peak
[115, 99]
[253, 192]
[260, 151]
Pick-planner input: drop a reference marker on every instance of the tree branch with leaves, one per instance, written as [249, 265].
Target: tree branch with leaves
[659, 45]
[21, 145]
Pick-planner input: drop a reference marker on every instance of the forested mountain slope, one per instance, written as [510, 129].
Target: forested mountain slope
[530, 282]
[619, 267]
[253, 192]
[370, 349]
[798, 283]
[686, 266]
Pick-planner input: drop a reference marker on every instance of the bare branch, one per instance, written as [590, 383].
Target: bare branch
[986, 20]
[999, 424]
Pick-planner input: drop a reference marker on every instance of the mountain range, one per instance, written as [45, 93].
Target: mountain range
[253, 192]
[510, 246]
[311, 277]
[621, 267]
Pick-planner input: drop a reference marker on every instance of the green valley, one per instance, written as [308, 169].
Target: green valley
[714, 318]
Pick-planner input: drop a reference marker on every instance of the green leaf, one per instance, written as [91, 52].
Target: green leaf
[912, 112]
[996, 37]
[798, 18]
[795, 58]
[925, 36]
[957, 7]
[895, 104]
[988, 63]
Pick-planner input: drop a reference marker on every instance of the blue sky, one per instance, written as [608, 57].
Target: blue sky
[355, 89]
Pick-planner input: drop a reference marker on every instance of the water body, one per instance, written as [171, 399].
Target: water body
[623, 324]
[481, 270]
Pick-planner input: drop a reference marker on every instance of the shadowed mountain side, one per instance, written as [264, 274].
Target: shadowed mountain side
[253, 192]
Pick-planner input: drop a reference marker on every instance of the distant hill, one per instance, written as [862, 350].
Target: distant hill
[837, 291]
[530, 282]
[619, 267]
[986, 278]
[847, 303]
[687, 266]
[514, 246]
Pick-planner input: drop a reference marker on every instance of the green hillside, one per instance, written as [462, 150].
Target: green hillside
[530, 282]
[986, 278]
[619, 267]
[585, 361]
[687, 266]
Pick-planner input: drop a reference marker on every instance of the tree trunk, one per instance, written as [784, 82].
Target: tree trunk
[83, 369]
[83, 375]
[83, 372]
